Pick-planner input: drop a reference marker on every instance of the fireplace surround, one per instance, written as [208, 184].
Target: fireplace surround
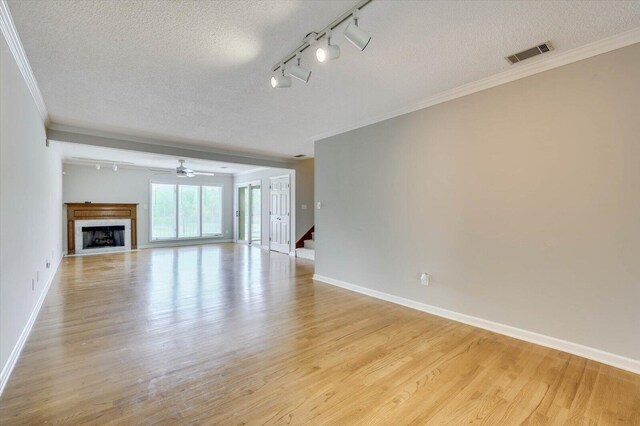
[101, 227]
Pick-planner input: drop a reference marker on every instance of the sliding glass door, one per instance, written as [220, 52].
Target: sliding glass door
[249, 213]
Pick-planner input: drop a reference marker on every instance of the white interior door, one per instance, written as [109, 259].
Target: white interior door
[279, 214]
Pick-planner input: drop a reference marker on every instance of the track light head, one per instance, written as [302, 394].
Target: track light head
[298, 72]
[97, 166]
[280, 81]
[328, 52]
[115, 167]
[355, 35]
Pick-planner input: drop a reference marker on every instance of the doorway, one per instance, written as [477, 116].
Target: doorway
[249, 213]
[279, 214]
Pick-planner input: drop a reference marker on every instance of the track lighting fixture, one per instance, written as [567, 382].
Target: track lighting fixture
[97, 166]
[328, 52]
[324, 53]
[296, 71]
[115, 167]
[355, 35]
[280, 81]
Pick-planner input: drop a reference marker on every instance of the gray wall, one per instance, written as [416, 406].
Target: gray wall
[30, 205]
[128, 185]
[522, 201]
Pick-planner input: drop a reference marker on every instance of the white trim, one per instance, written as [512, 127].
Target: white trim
[17, 349]
[521, 70]
[15, 45]
[507, 330]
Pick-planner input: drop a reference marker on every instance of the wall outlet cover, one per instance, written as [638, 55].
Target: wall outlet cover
[424, 279]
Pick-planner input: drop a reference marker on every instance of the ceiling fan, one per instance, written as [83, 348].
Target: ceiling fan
[182, 171]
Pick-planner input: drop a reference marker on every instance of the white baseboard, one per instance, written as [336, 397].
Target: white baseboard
[194, 242]
[15, 353]
[594, 354]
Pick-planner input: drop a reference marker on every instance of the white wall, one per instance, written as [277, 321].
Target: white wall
[522, 201]
[30, 207]
[264, 177]
[128, 185]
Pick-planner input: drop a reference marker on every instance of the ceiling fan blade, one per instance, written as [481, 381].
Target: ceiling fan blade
[204, 173]
[161, 170]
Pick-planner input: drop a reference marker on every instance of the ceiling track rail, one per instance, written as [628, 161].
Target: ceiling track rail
[322, 33]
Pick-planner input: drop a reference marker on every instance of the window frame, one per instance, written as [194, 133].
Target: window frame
[177, 184]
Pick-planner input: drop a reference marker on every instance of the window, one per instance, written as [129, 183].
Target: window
[163, 211]
[185, 211]
[188, 211]
[211, 210]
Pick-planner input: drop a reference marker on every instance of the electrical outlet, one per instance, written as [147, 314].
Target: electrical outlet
[424, 279]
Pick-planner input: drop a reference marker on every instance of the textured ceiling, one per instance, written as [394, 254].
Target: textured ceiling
[197, 71]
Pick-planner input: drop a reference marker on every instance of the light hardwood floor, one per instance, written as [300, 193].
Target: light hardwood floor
[226, 334]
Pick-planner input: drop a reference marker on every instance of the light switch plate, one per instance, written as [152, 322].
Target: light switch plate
[424, 279]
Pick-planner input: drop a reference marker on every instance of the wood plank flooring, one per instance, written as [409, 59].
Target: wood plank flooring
[227, 334]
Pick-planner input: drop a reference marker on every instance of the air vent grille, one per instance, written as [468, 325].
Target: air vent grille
[529, 53]
[299, 156]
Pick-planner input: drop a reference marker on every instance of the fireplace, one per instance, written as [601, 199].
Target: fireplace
[102, 236]
[98, 228]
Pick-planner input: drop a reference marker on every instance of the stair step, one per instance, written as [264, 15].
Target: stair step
[306, 253]
[310, 244]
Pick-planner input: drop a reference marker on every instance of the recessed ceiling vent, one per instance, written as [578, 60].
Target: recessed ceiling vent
[299, 156]
[529, 53]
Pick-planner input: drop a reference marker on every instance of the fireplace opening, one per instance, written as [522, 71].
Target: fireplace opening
[102, 236]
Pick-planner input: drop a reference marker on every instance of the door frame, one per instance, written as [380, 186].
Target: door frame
[236, 211]
[291, 178]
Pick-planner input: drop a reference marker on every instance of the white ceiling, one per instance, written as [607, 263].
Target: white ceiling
[73, 153]
[198, 71]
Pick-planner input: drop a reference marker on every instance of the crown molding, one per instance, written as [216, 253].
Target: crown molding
[520, 70]
[15, 45]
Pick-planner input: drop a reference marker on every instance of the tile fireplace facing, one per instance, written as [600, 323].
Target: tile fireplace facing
[102, 235]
